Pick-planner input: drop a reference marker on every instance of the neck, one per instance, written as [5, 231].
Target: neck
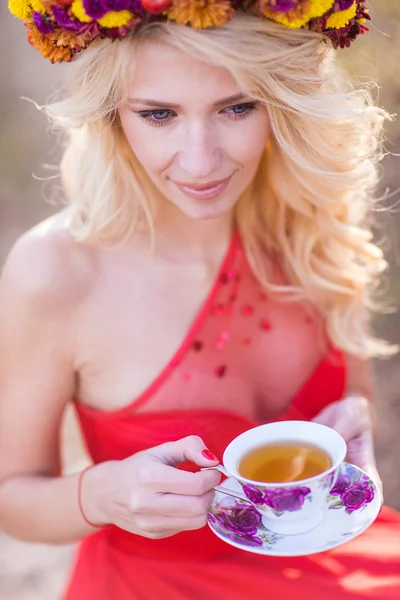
[184, 239]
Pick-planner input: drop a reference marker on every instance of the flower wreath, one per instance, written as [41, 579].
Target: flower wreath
[60, 29]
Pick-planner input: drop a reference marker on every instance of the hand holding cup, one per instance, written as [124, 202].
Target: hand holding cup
[148, 495]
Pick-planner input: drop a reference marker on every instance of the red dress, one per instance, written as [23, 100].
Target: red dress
[213, 387]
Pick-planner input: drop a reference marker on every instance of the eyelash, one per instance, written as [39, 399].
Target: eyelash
[146, 115]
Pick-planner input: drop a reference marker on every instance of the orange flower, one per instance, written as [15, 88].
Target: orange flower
[59, 46]
[201, 14]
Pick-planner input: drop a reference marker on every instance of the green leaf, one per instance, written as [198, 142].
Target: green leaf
[331, 498]
[336, 505]
[267, 539]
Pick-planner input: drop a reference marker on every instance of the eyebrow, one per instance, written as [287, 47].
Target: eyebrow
[149, 102]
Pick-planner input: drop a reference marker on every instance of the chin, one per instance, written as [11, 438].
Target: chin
[207, 209]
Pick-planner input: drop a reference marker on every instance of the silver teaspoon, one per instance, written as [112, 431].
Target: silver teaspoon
[228, 492]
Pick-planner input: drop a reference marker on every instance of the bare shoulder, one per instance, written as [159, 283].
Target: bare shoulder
[47, 265]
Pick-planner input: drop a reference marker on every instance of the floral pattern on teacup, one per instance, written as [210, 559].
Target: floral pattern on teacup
[352, 491]
[287, 499]
[254, 494]
[327, 482]
[241, 524]
[279, 500]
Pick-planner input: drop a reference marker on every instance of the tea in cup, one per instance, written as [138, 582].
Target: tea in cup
[287, 470]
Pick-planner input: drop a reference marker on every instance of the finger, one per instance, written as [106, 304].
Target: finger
[350, 429]
[191, 448]
[162, 526]
[327, 415]
[360, 450]
[347, 428]
[169, 480]
[128, 525]
[349, 417]
[173, 505]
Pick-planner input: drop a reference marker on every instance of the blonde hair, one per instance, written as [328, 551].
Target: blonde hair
[311, 195]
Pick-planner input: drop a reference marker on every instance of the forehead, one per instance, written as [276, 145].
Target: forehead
[166, 73]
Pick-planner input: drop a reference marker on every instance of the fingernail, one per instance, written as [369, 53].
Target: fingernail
[209, 455]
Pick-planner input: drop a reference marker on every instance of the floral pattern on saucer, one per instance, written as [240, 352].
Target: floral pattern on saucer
[352, 506]
[241, 523]
[352, 491]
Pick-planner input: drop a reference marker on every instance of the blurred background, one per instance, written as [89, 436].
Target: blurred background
[32, 571]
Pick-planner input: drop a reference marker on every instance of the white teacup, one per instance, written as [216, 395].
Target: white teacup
[295, 507]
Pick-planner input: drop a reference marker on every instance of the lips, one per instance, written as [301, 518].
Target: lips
[204, 191]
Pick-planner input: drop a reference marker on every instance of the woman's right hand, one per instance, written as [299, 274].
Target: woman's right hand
[147, 494]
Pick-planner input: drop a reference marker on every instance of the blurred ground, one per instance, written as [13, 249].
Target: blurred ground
[35, 572]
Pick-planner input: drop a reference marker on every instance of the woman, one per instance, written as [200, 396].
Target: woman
[211, 271]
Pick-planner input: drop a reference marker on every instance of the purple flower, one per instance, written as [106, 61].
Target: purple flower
[42, 24]
[283, 5]
[96, 9]
[356, 496]
[63, 19]
[242, 520]
[286, 499]
[254, 494]
[246, 540]
[342, 483]
[118, 4]
[344, 4]
[136, 7]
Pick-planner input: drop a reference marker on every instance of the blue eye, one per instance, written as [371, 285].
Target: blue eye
[161, 117]
[158, 118]
[241, 111]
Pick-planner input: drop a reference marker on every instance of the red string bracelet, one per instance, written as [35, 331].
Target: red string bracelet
[80, 478]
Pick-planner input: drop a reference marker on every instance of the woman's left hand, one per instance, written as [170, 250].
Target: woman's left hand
[351, 417]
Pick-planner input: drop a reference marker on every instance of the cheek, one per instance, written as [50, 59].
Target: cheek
[248, 144]
[154, 155]
[150, 147]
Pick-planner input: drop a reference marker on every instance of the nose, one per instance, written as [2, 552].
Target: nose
[200, 154]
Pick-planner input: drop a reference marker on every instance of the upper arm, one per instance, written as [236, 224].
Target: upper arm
[36, 347]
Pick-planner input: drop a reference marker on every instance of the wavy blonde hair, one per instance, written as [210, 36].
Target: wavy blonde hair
[310, 198]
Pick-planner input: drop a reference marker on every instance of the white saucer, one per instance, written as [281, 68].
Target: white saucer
[350, 510]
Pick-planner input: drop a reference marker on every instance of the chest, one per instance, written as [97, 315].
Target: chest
[194, 339]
